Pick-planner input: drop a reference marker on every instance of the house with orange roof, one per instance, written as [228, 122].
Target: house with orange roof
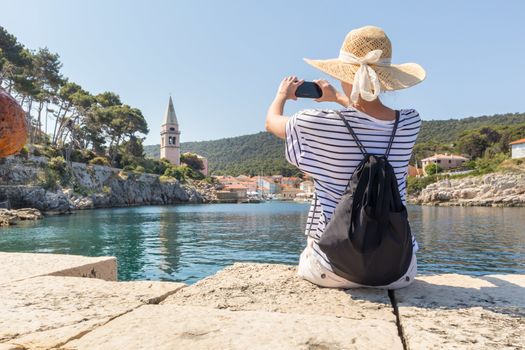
[518, 149]
[291, 181]
[289, 192]
[444, 161]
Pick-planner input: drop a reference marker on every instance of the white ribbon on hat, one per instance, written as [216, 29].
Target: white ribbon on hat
[366, 83]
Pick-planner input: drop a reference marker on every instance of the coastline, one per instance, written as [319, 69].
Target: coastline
[91, 187]
[499, 189]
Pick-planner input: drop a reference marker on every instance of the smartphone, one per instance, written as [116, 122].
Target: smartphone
[309, 89]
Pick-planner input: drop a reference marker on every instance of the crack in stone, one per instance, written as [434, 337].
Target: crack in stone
[81, 334]
[400, 330]
[153, 301]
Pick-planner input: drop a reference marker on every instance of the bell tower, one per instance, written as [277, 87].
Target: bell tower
[169, 136]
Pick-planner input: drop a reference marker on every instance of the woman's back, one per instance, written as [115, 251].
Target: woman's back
[318, 143]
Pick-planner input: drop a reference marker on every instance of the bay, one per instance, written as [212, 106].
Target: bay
[189, 242]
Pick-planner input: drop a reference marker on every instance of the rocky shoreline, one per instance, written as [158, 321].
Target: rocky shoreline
[93, 186]
[13, 217]
[493, 190]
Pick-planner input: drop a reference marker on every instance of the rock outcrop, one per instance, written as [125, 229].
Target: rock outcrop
[495, 189]
[12, 217]
[92, 186]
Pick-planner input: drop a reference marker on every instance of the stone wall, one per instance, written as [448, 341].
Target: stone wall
[495, 189]
[94, 187]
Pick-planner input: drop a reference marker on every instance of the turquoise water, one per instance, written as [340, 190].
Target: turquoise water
[188, 242]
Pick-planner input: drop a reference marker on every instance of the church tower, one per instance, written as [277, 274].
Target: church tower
[169, 136]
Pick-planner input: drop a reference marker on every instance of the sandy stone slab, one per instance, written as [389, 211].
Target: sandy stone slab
[193, 327]
[42, 312]
[19, 266]
[276, 287]
[464, 312]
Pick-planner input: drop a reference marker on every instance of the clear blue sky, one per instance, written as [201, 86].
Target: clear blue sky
[222, 60]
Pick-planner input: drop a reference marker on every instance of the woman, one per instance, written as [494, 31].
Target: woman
[319, 144]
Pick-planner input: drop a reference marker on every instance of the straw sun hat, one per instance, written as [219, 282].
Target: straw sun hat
[364, 62]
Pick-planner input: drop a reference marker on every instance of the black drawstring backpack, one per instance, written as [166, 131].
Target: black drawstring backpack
[368, 239]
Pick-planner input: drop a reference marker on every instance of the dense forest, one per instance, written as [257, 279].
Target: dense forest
[263, 153]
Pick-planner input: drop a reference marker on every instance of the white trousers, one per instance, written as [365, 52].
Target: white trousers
[311, 270]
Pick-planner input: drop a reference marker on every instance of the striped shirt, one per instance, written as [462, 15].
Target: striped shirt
[319, 144]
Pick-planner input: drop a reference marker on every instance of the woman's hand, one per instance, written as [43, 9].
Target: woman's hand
[288, 87]
[330, 94]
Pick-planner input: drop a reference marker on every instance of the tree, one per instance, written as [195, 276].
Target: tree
[193, 161]
[490, 135]
[473, 144]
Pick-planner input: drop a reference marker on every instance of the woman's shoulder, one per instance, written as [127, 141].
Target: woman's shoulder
[409, 116]
[312, 115]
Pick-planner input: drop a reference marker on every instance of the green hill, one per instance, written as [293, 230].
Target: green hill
[260, 153]
[447, 131]
[263, 153]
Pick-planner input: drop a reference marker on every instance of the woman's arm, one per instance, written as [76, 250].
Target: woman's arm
[330, 94]
[275, 120]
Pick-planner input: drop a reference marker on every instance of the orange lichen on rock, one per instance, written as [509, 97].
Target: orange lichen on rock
[13, 125]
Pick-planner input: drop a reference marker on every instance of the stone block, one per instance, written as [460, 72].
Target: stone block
[45, 312]
[277, 288]
[172, 326]
[20, 266]
[463, 312]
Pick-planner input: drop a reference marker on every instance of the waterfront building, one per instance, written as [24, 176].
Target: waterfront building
[204, 160]
[444, 161]
[266, 185]
[518, 148]
[170, 136]
[289, 192]
[307, 186]
[290, 181]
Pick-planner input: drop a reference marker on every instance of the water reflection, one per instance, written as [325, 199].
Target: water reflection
[189, 242]
[473, 240]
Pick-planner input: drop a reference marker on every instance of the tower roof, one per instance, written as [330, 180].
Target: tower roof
[170, 117]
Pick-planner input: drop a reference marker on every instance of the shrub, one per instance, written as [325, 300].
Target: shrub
[48, 179]
[416, 184]
[106, 189]
[59, 166]
[24, 152]
[50, 151]
[183, 173]
[99, 161]
[491, 164]
[82, 156]
[176, 172]
[432, 169]
[139, 169]
[37, 152]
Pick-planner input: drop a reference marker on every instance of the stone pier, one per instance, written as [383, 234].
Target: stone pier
[49, 302]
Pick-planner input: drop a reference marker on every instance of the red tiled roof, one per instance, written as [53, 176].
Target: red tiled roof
[517, 142]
